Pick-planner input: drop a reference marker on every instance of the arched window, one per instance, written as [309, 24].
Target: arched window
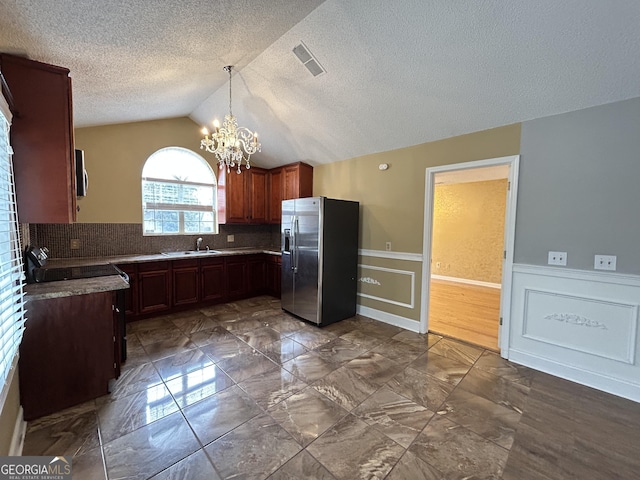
[178, 194]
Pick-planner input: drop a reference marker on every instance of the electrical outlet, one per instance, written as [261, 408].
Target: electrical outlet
[388, 246]
[557, 258]
[231, 238]
[605, 262]
[75, 243]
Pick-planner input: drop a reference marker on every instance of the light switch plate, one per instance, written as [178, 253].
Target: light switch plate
[605, 262]
[231, 238]
[557, 258]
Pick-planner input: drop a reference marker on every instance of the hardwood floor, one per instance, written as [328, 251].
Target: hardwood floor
[467, 312]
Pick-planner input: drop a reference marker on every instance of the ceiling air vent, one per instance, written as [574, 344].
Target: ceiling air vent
[308, 60]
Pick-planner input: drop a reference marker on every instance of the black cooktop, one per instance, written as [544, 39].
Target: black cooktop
[70, 273]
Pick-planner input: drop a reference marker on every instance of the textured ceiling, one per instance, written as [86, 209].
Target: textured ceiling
[397, 73]
[139, 60]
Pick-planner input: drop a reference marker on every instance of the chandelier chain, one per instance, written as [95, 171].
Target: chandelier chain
[229, 143]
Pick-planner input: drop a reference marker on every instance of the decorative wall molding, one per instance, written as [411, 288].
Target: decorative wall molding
[580, 325]
[575, 319]
[369, 280]
[389, 318]
[412, 257]
[410, 274]
[586, 275]
[466, 281]
[617, 343]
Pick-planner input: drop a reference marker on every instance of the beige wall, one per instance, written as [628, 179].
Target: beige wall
[468, 230]
[9, 415]
[114, 157]
[392, 202]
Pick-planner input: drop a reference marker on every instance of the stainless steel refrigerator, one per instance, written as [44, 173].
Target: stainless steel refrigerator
[319, 258]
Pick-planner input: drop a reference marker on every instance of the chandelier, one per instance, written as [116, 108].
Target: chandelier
[229, 143]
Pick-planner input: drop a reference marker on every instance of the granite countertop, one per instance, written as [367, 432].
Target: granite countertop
[154, 257]
[67, 288]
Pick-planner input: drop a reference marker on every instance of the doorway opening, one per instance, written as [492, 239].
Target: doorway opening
[468, 251]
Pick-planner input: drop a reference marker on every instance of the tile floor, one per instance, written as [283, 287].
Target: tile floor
[244, 390]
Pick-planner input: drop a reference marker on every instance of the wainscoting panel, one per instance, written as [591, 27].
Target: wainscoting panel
[374, 280]
[579, 325]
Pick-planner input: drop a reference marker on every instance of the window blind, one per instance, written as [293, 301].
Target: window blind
[12, 311]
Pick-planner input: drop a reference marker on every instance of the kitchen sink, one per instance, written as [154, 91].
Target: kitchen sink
[190, 253]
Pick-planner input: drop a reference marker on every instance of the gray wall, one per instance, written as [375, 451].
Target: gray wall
[579, 187]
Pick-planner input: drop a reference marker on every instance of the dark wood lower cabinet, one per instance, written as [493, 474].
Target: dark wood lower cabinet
[164, 286]
[186, 282]
[212, 280]
[274, 274]
[256, 279]
[237, 286]
[154, 287]
[67, 355]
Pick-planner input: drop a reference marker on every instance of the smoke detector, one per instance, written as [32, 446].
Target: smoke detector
[308, 60]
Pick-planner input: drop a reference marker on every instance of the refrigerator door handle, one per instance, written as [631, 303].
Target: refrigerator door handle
[295, 251]
[293, 243]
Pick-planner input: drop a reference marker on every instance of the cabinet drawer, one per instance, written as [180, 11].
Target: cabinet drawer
[190, 262]
[153, 266]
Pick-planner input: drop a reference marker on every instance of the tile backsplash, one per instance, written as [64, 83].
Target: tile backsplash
[107, 239]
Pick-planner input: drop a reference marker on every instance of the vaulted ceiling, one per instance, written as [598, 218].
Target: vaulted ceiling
[397, 73]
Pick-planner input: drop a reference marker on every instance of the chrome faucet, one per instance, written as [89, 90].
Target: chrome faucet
[198, 243]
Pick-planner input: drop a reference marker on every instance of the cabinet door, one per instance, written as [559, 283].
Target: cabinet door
[154, 287]
[298, 181]
[290, 183]
[258, 195]
[65, 359]
[212, 280]
[256, 275]
[185, 283]
[275, 195]
[237, 204]
[236, 277]
[42, 140]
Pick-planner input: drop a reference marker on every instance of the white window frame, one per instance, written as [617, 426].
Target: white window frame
[181, 208]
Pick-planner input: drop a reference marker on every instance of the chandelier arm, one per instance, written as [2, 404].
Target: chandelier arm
[229, 143]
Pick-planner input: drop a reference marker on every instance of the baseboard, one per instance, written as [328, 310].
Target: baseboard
[466, 281]
[17, 439]
[611, 385]
[389, 318]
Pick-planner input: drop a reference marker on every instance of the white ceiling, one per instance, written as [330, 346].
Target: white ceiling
[398, 73]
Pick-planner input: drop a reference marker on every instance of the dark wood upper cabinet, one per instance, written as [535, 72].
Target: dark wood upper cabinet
[42, 140]
[297, 181]
[242, 198]
[258, 195]
[275, 195]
